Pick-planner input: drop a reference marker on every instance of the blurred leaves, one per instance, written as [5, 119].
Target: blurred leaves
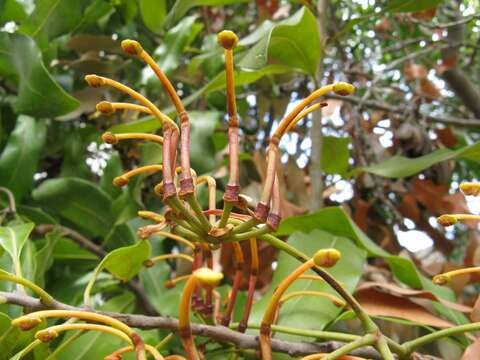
[12, 240]
[39, 94]
[77, 196]
[19, 159]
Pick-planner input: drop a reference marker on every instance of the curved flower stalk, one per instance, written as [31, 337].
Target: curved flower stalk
[117, 354]
[202, 277]
[31, 320]
[252, 284]
[322, 258]
[45, 297]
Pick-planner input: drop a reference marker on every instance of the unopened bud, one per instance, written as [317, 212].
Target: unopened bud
[470, 188]
[94, 80]
[131, 47]
[105, 107]
[46, 335]
[109, 138]
[447, 220]
[26, 323]
[326, 257]
[343, 88]
[120, 181]
[227, 39]
[207, 276]
[441, 279]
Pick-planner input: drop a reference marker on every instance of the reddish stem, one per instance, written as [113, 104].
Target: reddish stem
[240, 261]
[209, 291]
[252, 284]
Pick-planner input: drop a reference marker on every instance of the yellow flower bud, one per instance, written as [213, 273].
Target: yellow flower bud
[326, 257]
[109, 138]
[46, 335]
[470, 188]
[120, 181]
[441, 279]
[94, 80]
[105, 107]
[132, 47]
[343, 88]
[26, 323]
[447, 220]
[207, 276]
[227, 39]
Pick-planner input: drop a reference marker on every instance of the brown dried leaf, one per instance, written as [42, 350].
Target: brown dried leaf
[377, 303]
[409, 208]
[428, 14]
[446, 136]
[429, 90]
[415, 71]
[423, 294]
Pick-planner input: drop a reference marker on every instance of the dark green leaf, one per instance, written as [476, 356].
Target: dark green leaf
[38, 93]
[79, 201]
[411, 5]
[52, 18]
[44, 256]
[400, 166]
[19, 159]
[11, 10]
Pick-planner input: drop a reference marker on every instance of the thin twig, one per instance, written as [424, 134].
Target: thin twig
[219, 333]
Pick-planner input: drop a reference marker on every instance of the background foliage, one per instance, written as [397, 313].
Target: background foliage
[390, 157]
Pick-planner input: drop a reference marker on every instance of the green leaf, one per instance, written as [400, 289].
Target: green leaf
[169, 53]
[181, 7]
[44, 256]
[19, 159]
[337, 222]
[312, 312]
[12, 239]
[11, 10]
[113, 169]
[52, 18]
[400, 166]
[123, 263]
[294, 42]
[335, 154]
[38, 93]
[79, 201]
[153, 13]
[66, 249]
[202, 150]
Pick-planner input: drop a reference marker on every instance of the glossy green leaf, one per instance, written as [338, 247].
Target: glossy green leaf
[39, 94]
[312, 312]
[123, 263]
[80, 202]
[335, 154]
[153, 13]
[68, 250]
[169, 53]
[400, 166]
[12, 240]
[52, 18]
[35, 215]
[44, 256]
[294, 42]
[337, 222]
[19, 159]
